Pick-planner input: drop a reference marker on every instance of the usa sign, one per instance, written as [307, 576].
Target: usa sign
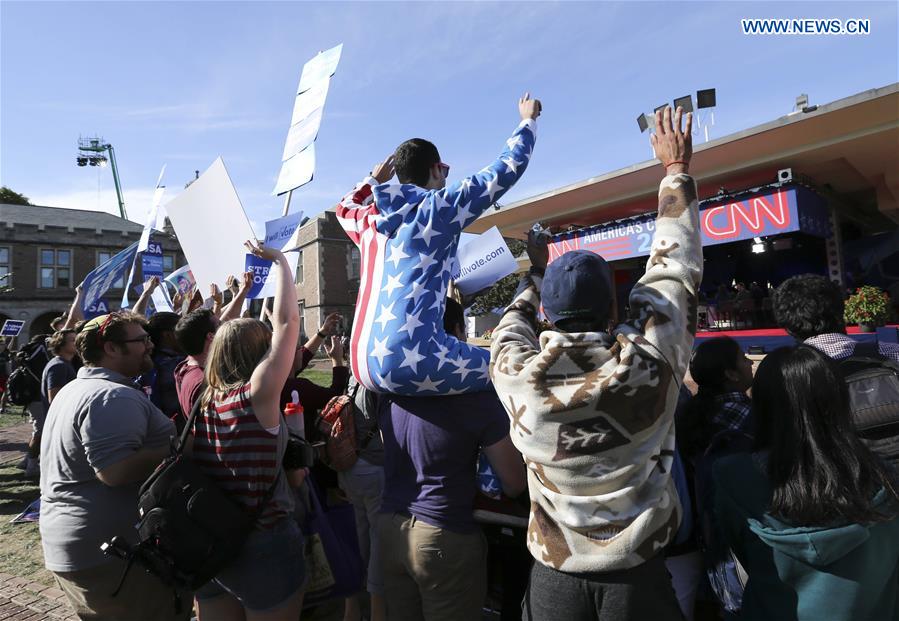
[783, 210]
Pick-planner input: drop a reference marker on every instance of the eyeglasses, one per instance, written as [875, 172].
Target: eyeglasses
[444, 168]
[145, 338]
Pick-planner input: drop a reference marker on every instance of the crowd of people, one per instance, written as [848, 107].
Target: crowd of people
[644, 500]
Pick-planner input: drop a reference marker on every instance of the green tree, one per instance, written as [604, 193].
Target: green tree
[10, 197]
[502, 293]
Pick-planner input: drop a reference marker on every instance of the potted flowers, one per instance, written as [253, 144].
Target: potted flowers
[868, 307]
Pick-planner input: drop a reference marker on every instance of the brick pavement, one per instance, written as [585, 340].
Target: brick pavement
[14, 442]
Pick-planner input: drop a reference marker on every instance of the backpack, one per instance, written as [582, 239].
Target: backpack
[24, 383]
[340, 446]
[873, 384]
[189, 529]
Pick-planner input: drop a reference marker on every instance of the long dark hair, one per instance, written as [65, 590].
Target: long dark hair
[707, 368]
[819, 470]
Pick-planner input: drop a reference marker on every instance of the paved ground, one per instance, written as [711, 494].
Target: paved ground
[20, 599]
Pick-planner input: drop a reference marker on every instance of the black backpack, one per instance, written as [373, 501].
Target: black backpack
[24, 383]
[873, 383]
[189, 528]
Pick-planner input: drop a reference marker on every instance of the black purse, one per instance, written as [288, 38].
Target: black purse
[189, 528]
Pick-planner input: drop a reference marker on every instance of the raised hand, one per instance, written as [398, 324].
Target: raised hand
[529, 108]
[151, 283]
[383, 172]
[247, 282]
[538, 248]
[330, 324]
[673, 146]
[334, 349]
[231, 284]
[263, 252]
[216, 294]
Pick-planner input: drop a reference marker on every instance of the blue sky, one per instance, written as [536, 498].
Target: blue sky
[180, 83]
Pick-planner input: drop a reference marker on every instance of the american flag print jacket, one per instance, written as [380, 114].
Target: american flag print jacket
[407, 238]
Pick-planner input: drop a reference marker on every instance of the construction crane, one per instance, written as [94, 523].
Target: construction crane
[90, 152]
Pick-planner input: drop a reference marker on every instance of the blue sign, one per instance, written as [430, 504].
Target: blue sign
[772, 212]
[101, 279]
[100, 307]
[11, 327]
[151, 260]
[260, 268]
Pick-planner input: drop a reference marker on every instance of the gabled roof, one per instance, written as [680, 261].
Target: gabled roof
[36, 215]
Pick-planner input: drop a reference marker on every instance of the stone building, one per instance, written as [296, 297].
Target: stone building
[48, 250]
[327, 272]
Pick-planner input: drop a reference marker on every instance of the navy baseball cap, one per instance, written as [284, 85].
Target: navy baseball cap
[577, 285]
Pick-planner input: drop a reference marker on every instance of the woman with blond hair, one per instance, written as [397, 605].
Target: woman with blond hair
[240, 440]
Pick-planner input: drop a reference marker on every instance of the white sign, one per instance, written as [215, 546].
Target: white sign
[302, 134]
[482, 261]
[296, 171]
[322, 66]
[283, 233]
[211, 226]
[161, 300]
[153, 220]
[310, 100]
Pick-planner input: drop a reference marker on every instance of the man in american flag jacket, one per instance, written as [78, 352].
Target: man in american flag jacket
[407, 234]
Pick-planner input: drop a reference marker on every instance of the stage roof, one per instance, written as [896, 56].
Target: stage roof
[847, 149]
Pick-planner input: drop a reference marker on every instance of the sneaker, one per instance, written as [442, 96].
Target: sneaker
[33, 469]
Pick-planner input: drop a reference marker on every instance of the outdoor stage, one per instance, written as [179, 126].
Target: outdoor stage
[772, 338]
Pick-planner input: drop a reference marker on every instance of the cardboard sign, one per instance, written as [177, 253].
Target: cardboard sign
[102, 278]
[319, 68]
[211, 226]
[264, 282]
[296, 171]
[283, 233]
[11, 327]
[482, 261]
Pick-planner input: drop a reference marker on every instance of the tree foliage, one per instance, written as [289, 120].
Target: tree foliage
[502, 293]
[10, 197]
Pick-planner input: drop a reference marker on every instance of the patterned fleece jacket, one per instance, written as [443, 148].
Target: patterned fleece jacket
[593, 413]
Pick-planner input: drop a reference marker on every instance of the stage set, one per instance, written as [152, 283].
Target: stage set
[815, 191]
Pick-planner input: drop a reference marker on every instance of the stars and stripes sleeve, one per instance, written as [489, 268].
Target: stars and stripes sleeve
[354, 209]
[461, 203]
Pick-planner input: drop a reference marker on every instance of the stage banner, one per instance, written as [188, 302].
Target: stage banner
[102, 278]
[482, 261]
[263, 280]
[772, 212]
[283, 233]
[211, 226]
[11, 327]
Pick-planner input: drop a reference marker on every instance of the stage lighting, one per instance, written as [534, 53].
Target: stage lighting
[661, 108]
[758, 248]
[705, 98]
[685, 102]
[81, 161]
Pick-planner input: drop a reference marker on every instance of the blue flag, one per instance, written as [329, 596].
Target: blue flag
[101, 279]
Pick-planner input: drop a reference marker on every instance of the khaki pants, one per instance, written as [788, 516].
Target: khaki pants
[431, 574]
[142, 597]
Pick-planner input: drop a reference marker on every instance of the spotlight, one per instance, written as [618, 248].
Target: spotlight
[758, 248]
[685, 102]
[643, 123]
[661, 108]
[705, 98]
[81, 161]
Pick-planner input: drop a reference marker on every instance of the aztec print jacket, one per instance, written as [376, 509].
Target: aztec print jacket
[593, 413]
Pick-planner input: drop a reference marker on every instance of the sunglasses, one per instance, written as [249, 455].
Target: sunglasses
[444, 168]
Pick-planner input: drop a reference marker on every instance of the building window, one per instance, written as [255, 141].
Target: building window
[168, 264]
[354, 259]
[102, 257]
[300, 268]
[56, 268]
[302, 305]
[5, 256]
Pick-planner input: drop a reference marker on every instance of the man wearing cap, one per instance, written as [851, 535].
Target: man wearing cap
[102, 439]
[592, 411]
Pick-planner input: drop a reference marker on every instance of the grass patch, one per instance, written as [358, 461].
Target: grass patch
[12, 416]
[322, 378]
[20, 544]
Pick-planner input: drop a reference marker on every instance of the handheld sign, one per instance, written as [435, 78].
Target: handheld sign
[482, 261]
[101, 279]
[283, 232]
[12, 327]
[263, 283]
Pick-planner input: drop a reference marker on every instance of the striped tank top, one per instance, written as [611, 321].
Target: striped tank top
[233, 448]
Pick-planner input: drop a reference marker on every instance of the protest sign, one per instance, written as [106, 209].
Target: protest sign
[11, 327]
[100, 307]
[151, 265]
[211, 226]
[182, 279]
[155, 215]
[263, 274]
[322, 66]
[302, 134]
[101, 279]
[161, 302]
[310, 100]
[283, 233]
[296, 171]
[482, 261]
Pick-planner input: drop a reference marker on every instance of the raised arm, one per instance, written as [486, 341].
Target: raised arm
[464, 201]
[356, 208]
[76, 314]
[269, 377]
[140, 307]
[233, 308]
[663, 303]
[514, 342]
